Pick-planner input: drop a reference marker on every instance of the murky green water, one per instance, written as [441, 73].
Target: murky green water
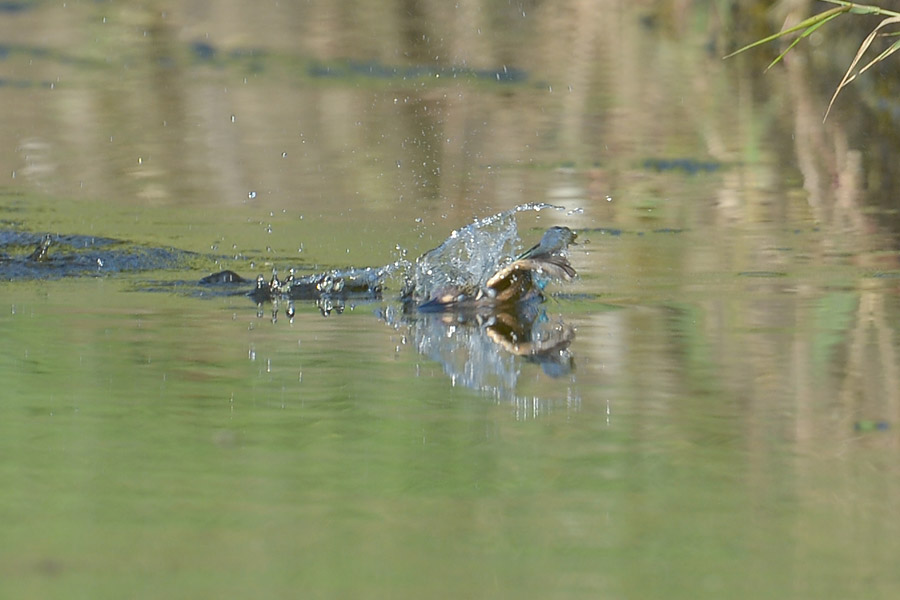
[730, 425]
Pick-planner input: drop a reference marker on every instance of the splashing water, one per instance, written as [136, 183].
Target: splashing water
[471, 255]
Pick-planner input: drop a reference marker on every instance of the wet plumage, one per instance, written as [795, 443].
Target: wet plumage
[520, 281]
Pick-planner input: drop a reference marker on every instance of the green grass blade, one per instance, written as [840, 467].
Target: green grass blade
[805, 24]
[809, 31]
[864, 9]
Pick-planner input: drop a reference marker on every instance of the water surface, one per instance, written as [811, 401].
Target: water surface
[730, 423]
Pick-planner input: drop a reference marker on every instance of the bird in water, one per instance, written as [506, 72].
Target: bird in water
[520, 281]
[510, 286]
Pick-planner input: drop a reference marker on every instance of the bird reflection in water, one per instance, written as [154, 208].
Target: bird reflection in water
[480, 351]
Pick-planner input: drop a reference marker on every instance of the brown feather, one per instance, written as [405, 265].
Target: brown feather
[516, 280]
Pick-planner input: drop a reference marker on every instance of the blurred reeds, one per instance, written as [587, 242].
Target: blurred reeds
[810, 25]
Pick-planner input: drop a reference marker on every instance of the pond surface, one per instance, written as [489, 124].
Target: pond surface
[728, 422]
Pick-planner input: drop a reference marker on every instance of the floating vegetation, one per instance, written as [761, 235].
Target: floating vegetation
[11, 7]
[763, 274]
[25, 255]
[377, 70]
[204, 51]
[616, 232]
[24, 83]
[613, 231]
[869, 426]
[691, 166]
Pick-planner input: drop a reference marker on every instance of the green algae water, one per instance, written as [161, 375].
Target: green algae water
[725, 423]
